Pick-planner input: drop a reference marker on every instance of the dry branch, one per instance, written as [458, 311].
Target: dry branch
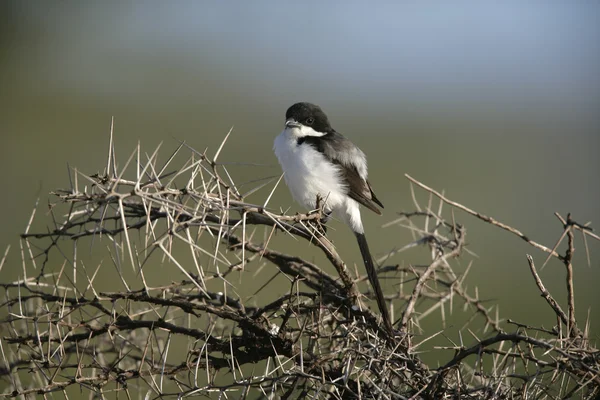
[315, 338]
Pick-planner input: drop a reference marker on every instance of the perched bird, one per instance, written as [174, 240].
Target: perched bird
[319, 161]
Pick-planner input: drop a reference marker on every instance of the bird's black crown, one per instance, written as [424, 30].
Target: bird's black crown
[310, 115]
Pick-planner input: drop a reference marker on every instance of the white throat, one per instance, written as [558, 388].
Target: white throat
[302, 131]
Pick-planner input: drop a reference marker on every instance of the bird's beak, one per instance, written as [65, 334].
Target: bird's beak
[291, 123]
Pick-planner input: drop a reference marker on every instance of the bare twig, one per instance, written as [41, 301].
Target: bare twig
[486, 218]
[545, 294]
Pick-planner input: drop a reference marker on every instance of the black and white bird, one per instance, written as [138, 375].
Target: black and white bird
[319, 161]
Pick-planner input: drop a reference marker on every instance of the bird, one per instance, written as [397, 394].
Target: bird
[319, 162]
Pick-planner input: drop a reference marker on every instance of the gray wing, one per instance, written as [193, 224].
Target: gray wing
[360, 190]
[353, 166]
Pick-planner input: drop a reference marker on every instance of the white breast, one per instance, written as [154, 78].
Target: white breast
[308, 173]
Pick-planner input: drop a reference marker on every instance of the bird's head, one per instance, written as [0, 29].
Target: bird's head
[306, 119]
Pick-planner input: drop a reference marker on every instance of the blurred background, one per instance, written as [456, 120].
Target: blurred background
[496, 104]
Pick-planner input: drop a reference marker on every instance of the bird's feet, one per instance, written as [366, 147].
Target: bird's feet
[320, 224]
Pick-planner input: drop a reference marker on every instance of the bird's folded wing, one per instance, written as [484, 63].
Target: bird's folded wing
[359, 189]
[353, 166]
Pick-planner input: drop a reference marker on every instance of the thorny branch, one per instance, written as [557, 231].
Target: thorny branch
[310, 336]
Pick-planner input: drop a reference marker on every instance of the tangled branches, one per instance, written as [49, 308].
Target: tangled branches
[203, 335]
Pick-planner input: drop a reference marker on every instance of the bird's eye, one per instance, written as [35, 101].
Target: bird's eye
[310, 120]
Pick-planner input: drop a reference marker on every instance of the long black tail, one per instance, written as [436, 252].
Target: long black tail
[366, 255]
